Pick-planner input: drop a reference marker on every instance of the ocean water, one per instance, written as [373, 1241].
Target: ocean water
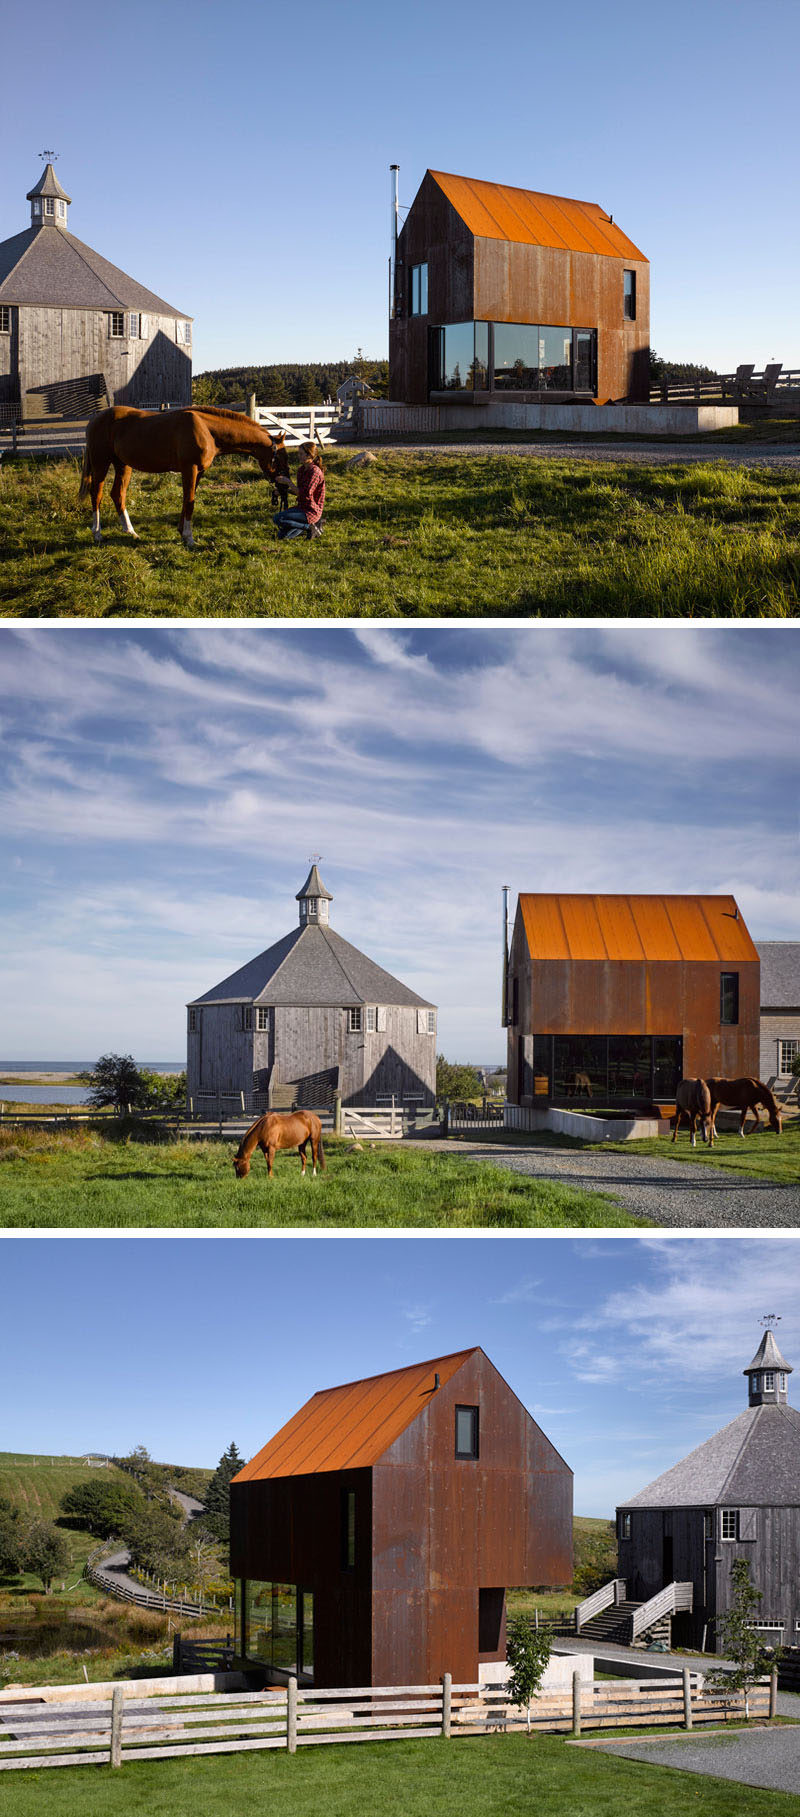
[21, 1093]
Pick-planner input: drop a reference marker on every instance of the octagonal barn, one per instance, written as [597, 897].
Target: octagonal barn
[308, 1017]
[76, 333]
[509, 293]
[736, 1496]
[373, 1537]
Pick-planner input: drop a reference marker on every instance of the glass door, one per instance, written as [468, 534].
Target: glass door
[585, 363]
[305, 1633]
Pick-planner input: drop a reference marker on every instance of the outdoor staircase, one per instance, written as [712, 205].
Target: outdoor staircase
[612, 1624]
[610, 1615]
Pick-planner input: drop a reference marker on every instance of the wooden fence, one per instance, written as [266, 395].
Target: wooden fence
[129, 1727]
[191, 1609]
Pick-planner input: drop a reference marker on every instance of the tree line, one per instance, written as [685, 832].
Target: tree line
[295, 382]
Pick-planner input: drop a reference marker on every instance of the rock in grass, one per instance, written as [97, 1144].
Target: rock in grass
[364, 459]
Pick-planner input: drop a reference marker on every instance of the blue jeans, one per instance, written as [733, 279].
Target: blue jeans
[291, 522]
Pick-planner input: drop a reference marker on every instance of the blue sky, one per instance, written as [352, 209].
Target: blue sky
[235, 159]
[628, 1352]
[163, 790]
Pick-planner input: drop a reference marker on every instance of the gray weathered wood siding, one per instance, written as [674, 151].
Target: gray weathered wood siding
[769, 1539]
[641, 1563]
[301, 1041]
[56, 345]
[9, 359]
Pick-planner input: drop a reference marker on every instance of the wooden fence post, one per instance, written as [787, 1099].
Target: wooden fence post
[576, 1703]
[117, 1707]
[447, 1687]
[773, 1693]
[337, 1113]
[291, 1716]
[687, 1698]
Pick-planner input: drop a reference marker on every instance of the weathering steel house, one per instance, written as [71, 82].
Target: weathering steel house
[736, 1496]
[373, 1538]
[311, 1016]
[76, 333]
[508, 293]
[616, 998]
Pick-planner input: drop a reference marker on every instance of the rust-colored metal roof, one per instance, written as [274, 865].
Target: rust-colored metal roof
[496, 211]
[635, 928]
[350, 1427]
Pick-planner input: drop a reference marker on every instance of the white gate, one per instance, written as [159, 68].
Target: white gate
[300, 422]
[384, 1125]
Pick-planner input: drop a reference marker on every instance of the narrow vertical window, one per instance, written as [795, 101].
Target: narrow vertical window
[629, 296]
[348, 1529]
[466, 1432]
[729, 997]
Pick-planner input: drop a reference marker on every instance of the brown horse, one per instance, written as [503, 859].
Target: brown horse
[165, 441]
[276, 1131]
[693, 1101]
[744, 1095]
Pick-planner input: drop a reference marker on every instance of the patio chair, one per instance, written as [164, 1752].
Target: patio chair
[734, 384]
[764, 387]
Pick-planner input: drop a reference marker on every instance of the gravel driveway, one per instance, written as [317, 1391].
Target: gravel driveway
[760, 1757]
[661, 454]
[667, 1192]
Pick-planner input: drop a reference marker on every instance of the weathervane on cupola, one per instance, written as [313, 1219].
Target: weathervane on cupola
[313, 897]
[768, 1371]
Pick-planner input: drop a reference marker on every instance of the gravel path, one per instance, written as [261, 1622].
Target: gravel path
[665, 1191]
[661, 454]
[760, 1757]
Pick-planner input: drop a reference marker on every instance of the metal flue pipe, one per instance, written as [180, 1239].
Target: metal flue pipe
[394, 170]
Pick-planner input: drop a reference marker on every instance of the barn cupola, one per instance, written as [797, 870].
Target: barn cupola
[313, 899]
[767, 1375]
[49, 202]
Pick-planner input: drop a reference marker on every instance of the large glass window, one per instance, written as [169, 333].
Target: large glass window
[516, 357]
[555, 359]
[667, 1065]
[585, 361]
[589, 1070]
[463, 357]
[579, 1067]
[629, 1063]
[276, 1624]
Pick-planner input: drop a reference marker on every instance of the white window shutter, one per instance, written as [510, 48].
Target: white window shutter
[144, 327]
[381, 1018]
[422, 1022]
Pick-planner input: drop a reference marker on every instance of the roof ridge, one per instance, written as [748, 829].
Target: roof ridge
[748, 1433]
[295, 936]
[328, 932]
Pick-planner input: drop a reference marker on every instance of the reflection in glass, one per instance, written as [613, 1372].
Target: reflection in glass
[667, 1065]
[516, 356]
[584, 359]
[579, 1067]
[458, 356]
[629, 1063]
[284, 1627]
[555, 359]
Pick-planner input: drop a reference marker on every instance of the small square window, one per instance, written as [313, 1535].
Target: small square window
[769, 1382]
[629, 296]
[116, 325]
[466, 1432]
[729, 998]
[354, 1021]
[730, 1523]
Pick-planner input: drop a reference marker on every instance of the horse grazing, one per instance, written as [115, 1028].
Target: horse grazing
[693, 1101]
[165, 441]
[275, 1131]
[744, 1095]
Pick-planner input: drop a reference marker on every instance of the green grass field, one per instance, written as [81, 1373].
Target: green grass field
[763, 1155]
[54, 1180]
[416, 535]
[491, 1776]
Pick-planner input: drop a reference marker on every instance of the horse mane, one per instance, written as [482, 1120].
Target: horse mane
[246, 1146]
[767, 1098]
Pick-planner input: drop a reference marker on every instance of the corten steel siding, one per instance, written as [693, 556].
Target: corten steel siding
[433, 234]
[289, 1530]
[518, 283]
[445, 1527]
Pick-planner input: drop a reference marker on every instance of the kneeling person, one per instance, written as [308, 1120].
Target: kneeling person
[303, 519]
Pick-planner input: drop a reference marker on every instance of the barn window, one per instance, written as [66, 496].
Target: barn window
[62, 211]
[729, 997]
[192, 1020]
[372, 1018]
[49, 207]
[708, 1525]
[348, 1529]
[623, 1526]
[183, 333]
[116, 324]
[466, 1432]
[262, 1018]
[419, 290]
[354, 1021]
[247, 1016]
[133, 326]
[730, 1523]
[629, 296]
[769, 1382]
[37, 206]
[5, 318]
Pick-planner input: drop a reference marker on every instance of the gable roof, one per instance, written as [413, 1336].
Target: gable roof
[311, 967]
[754, 1461]
[635, 928]
[780, 973]
[350, 1427]
[497, 211]
[48, 265]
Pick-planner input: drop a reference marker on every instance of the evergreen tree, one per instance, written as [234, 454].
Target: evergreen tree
[10, 1538]
[217, 1515]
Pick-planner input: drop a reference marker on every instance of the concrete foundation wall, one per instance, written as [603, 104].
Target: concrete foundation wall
[377, 420]
[589, 1129]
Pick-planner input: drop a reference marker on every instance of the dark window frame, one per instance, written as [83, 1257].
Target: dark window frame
[629, 296]
[473, 1453]
[729, 999]
[624, 1526]
[418, 289]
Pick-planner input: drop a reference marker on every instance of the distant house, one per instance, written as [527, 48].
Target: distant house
[372, 1539]
[308, 1017]
[780, 1008]
[76, 333]
[512, 293]
[616, 998]
[351, 390]
[736, 1496]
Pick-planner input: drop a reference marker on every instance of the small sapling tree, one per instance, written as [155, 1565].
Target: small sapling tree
[527, 1652]
[739, 1639]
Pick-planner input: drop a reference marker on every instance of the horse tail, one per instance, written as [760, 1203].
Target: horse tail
[321, 1151]
[86, 472]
